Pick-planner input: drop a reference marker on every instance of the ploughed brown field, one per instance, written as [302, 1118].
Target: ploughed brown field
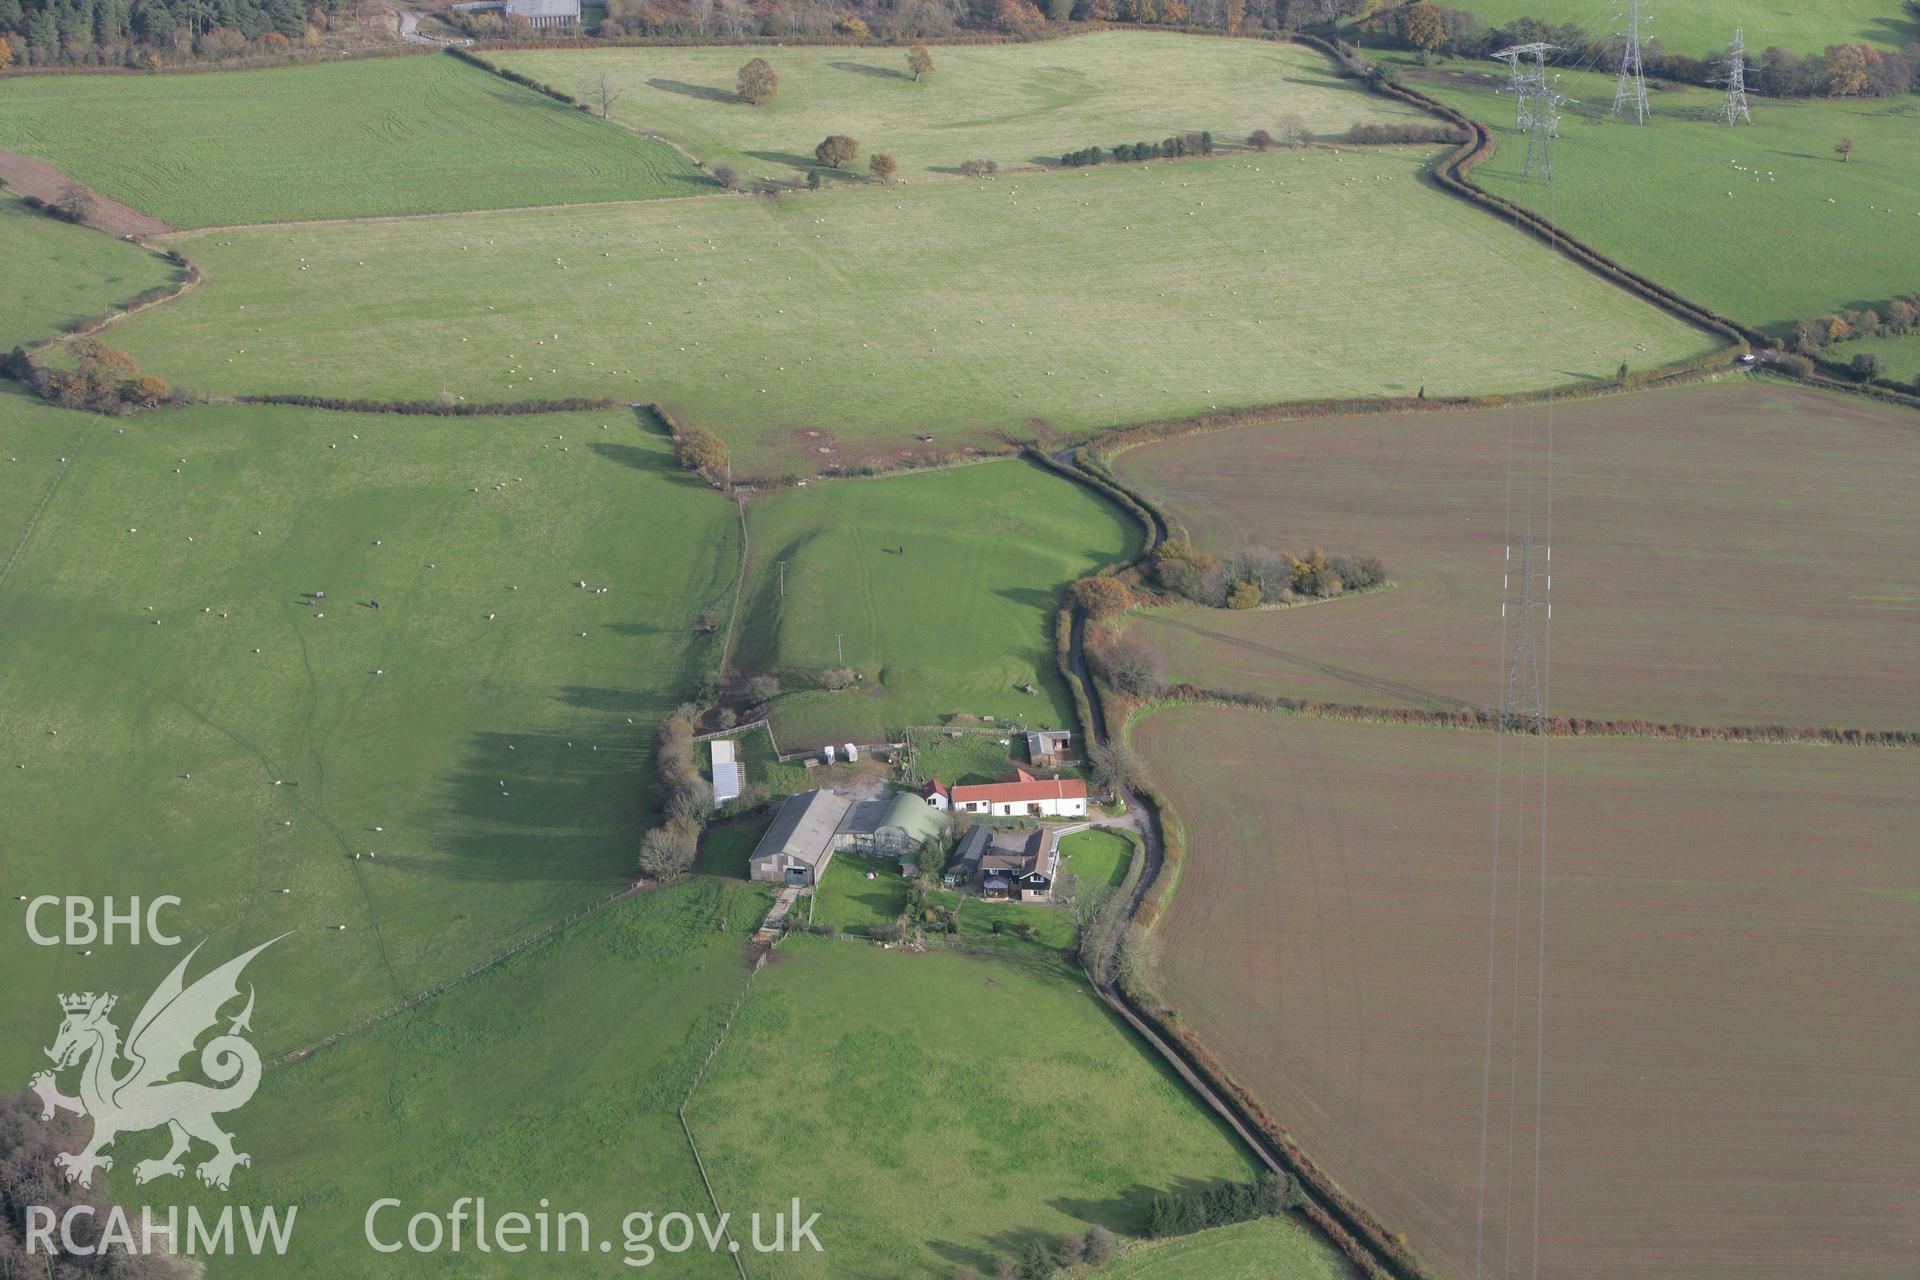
[1729, 1054]
[1722, 554]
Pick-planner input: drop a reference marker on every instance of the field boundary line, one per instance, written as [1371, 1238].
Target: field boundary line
[693, 1086]
[1480, 721]
[189, 233]
[739, 592]
[440, 988]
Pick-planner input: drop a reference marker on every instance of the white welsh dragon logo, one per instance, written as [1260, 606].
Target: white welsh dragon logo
[146, 1094]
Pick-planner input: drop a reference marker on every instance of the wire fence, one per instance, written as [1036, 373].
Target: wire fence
[385, 1015]
[713, 1051]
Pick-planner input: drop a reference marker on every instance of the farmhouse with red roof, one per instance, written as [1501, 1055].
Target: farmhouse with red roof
[1022, 796]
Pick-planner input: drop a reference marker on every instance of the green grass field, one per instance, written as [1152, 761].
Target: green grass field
[58, 273]
[182, 719]
[968, 757]
[1699, 27]
[554, 1076]
[1265, 1249]
[1016, 104]
[955, 624]
[1097, 857]
[848, 899]
[1762, 223]
[346, 140]
[994, 924]
[727, 848]
[822, 330]
[947, 1107]
[1902, 354]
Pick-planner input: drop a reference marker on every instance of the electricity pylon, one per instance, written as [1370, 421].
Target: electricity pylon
[1526, 79]
[1736, 80]
[1631, 92]
[1526, 589]
[1538, 113]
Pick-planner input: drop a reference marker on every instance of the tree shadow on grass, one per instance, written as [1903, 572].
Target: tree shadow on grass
[706, 93]
[878, 73]
[808, 162]
[546, 806]
[1032, 597]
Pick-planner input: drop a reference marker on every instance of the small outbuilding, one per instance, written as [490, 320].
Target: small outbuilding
[727, 776]
[1049, 747]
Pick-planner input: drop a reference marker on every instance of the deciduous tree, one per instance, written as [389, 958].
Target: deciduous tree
[75, 203]
[882, 166]
[1115, 768]
[758, 83]
[698, 449]
[836, 151]
[1422, 26]
[608, 91]
[1102, 597]
[667, 851]
[1844, 149]
[1018, 17]
[919, 61]
[1847, 69]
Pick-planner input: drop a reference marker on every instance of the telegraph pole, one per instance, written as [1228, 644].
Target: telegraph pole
[1735, 110]
[1631, 92]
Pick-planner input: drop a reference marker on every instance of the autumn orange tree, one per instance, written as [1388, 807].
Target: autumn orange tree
[1018, 17]
[1422, 27]
[882, 166]
[698, 449]
[1847, 66]
[919, 61]
[1102, 597]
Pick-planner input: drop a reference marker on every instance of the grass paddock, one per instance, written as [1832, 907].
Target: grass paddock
[365, 138]
[1015, 104]
[831, 330]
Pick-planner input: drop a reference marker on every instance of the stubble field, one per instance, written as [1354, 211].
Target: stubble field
[1726, 1068]
[854, 321]
[1722, 554]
